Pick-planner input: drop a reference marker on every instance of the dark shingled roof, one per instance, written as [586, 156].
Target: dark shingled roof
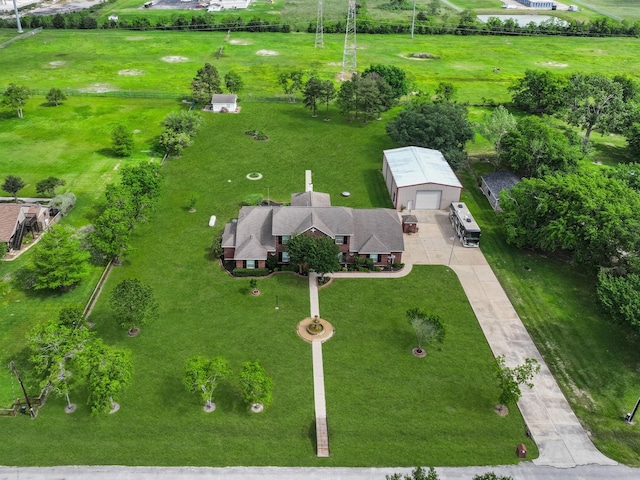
[498, 181]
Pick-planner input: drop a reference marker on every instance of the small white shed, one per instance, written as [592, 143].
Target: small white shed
[419, 179]
[224, 103]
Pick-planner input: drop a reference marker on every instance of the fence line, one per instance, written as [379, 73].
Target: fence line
[24, 35]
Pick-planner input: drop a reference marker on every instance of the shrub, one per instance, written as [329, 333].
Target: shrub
[289, 268]
[272, 262]
[63, 202]
[254, 199]
[250, 272]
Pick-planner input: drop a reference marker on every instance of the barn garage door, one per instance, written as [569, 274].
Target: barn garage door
[428, 199]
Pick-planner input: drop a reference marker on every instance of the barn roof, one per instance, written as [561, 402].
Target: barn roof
[416, 165]
[223, 98]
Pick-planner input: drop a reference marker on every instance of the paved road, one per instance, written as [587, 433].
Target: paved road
[523, 471]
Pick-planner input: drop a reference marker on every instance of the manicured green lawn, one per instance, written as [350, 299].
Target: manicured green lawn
[404, 411]
[100, 59]
[73, 142]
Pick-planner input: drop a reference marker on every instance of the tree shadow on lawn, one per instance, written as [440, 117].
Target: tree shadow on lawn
[610, 154]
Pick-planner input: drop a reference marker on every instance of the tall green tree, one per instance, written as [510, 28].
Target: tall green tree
[255, 384]
[445, 92]
[143, 182]
[174, 142]
[13, 185]
[110, 370]
[395, 77]
[539, 92]
[496, 124]
[55, 96]
[291, 82]
[441, 126]
[594, 102]
[183, 121]
[588, 214]
[122, 141]
[47, 187]
[205, 84]
[619, 297]
[311, 94]
[319, 254]
[55, 349]
[59, 261]
[133, 304]
[15, 97]
[203, 375]
[535, 148]
[511, 379]
[233, 82]
[327, 93]
[369, 98]
[347, 99]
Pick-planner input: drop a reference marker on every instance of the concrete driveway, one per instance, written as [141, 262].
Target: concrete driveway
[556, 430]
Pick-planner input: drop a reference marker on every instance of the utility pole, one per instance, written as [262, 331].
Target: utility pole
[12, 366]
[15, 8]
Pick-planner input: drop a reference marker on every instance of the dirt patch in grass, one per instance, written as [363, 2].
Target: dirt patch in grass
[136, 39]
[267, 53]
[240, 42]
[57, 64]
[555, 64]
[174, 59]
[130, 72]
[98, 88]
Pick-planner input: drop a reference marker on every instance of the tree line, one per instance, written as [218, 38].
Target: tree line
[430, 20]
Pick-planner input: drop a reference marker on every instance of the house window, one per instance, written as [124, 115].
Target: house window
[285, 257]
[375, 257]
[284, 239]
[340, 240]
[251, 264]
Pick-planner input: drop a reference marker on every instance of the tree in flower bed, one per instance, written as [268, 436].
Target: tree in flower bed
[133, 304]
[428, 328]
[511, 378]
[256, 386]
[203, 375]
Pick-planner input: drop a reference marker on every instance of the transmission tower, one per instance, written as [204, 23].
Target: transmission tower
[319, 27]
[349, 55]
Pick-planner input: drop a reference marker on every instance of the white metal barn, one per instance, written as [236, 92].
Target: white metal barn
[419, 179]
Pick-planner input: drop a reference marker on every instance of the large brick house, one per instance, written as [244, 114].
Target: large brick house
[263, 231]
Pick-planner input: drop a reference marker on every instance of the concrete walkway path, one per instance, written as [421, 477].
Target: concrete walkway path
[322, 434]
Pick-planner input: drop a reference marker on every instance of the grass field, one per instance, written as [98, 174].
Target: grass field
[203, 311]
[73, 142]
[99, 59]
[379, 395]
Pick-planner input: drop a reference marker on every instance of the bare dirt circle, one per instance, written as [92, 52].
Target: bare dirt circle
[70, 408]
[209, 407]
[257, 407]
[98, 88]
[174, 59]
[130, 72]
[57, 63]
[240, 42]
[115, 406]
[267, 53]
[555, 64]
[501, 410]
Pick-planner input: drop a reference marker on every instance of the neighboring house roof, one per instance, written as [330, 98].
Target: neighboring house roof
[417, 165]
[224, 98]
[498, 181]
[310, 199]
[10, 215]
